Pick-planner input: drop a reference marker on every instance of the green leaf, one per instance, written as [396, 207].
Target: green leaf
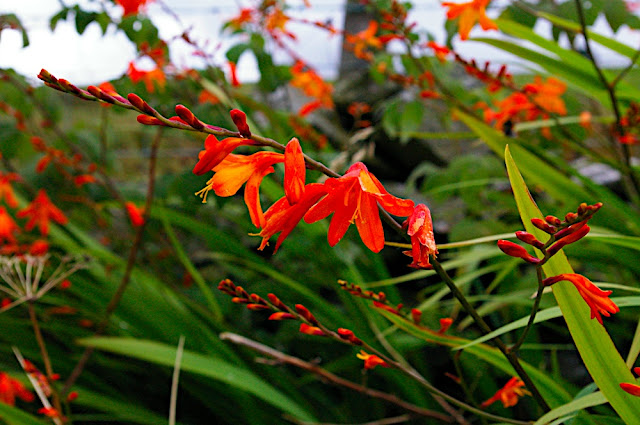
[62, 15]
[411, 119]
[553, 392]
[14, 416]
[83, 19]
[210, 367]
[234, 53]
[590, 400]
[599, 354]
[544, 315]
[11, 21]
[616, 13]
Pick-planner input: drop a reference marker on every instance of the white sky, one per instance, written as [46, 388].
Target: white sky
[93, 58]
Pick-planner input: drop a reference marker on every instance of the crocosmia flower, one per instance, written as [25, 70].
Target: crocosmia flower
[420, 229]
[469, 13]
[354, 198]
[371, 360]
[215, 151]
[236, 170]
[597, 299]
[509, 394]
[11, 388]
[40, 211]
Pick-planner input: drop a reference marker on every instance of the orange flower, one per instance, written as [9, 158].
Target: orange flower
[132, 7]
[312, 85]
[282, 217]
[234, 76]
[547, 94]
[371, 360]
[294, 171]
[632, 389]
[470, 13]
[151, 79]
[277, 20]
[7, 227]
[206, 96]
[420, 229]
[236, 170]
[40, 211]
[11, 388]
[509, 394]
[136, 215]
[354, 197]
[364, 39]
[245, 16]
[439, 50]
[310, 330]
[597, 299]
[6, 190]
[215, 151]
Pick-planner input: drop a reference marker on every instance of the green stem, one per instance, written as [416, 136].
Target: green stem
[536, 305]
[511, 357]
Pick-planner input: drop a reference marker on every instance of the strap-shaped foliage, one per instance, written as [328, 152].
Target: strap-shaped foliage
[600, 356]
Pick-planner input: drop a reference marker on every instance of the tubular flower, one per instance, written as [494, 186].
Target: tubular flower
[371, 360]
[470, 13]
[6, 190]
[40, 211]
[11, 388]
[132, 7]
[420, 229]
[282, 217]
[294, 171]
[236, 170]
[312, 85]
[151, 79]
[597, 299]
[364, 39]
[632, 389]
[509, 394]
[215, 151]
[354, 197]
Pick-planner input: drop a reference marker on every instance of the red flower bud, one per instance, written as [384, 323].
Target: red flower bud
[147, 120]
[240, 120]
[256, 307]
[416, 315]
[553, 220]
[282, 316]
[571, 238]
[527, 237]
[542, 225]
[187, 116]
[517, 251]
[306, 314]
[445, 324]
[310, 330]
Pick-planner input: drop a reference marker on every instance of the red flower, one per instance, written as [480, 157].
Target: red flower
[470, 13]
[151, 79]
[6, 190]
[215, 151]
[40, 211]
[597, 299]
[420, 229]
[439, 50]
[136, 215]
[236, 170]
[354, 197]
[11, 388]
[234, 76]
[132, 7]
[282, 217]
[371, 360]
[7, 227]
[509, 394]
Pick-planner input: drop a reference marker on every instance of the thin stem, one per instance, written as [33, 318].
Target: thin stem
[511, 356]
[334, 379]
[44, 354]
[534, 310]
[133, 253]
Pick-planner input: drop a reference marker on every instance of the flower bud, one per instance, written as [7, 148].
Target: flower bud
[573, 237]
[280, 315]
[528, 238]
[517, 251]
[544, 226]
[240, 120]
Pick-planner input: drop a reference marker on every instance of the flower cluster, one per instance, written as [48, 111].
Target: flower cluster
[354, 197]
[309, 325]
[562, 233]
[509, 394]
[312, 85]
